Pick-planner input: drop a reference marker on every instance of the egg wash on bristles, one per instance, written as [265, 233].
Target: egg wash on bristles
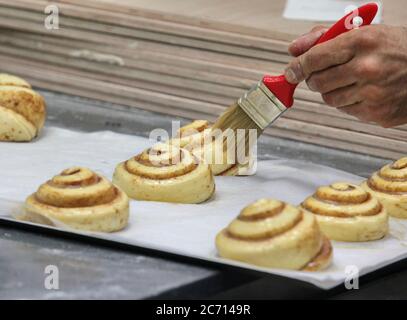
[209, 145]
[245, 129]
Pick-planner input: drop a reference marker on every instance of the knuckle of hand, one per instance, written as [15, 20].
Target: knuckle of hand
[365, 38]
[330, 99]
[315, 82]
[305, 61]
[373, 93]
[349, 53]
[309, 62]
[346, 50]
[369, 68]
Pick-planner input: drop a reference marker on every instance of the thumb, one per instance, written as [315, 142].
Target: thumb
[306, 41]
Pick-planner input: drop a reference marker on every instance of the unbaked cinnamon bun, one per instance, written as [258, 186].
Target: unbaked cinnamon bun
[192, 133]
[346, 212]
[389, 185]
[22, 110]
[165, 173]
[80, 199]
[198, 138]
[270, 233]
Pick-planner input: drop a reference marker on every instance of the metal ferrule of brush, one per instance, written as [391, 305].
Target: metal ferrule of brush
[261, 105]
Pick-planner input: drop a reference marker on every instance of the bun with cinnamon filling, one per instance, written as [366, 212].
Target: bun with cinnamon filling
[346, 212]
[22, 110]
[165, 173]
[80, 199]
[389, 185]
[270, 233]
[197, 137]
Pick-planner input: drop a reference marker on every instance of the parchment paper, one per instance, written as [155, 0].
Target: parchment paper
[189, 229]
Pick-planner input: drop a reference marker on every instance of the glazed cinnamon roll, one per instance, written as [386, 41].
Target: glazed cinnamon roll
[346, 212]
[197, 137]
[80, 199]
[22, 110]
[270, 233]
[165, 173]
[389, 185]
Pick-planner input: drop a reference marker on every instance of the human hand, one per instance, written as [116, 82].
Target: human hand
[362, 72]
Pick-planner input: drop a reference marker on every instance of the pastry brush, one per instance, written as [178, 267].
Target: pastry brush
[273, 95]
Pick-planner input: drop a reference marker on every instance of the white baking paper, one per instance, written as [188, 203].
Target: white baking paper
[324, 10]
[189, 229]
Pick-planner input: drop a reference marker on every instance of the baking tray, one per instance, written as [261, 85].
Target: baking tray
[188, 230]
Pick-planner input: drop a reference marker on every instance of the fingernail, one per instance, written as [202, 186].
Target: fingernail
[296, 41]
[315, 34]
[320, 33]
[311, 85]
[292, 75]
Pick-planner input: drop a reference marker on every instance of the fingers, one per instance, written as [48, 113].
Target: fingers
[368, 103]
[364, 112]
[370, 113]
[357, 110]
[323, 56]
[306, 41]
[343, 97]
[333, 78]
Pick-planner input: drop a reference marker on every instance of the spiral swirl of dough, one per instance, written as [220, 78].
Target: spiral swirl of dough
[192, 133]
[165, 173]
[80, 199]
[197, 137]
[346, 212]
[22, 110]
[273, 234]
[389, 185]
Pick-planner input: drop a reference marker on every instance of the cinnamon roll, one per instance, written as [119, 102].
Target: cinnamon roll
[165, 173]
[197, 137]
[346, 212]
[10, 80]
[270, 233]
[80, 199]
[22, 110]
[389, 185]
[192, 133]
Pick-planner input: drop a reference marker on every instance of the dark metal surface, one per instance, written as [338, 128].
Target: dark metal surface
[94, 271]
[85, 271]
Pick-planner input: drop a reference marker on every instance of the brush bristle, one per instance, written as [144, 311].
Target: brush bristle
[236, 118]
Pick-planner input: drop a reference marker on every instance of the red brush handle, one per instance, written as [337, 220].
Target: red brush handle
[366, 12]
[284, 90]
